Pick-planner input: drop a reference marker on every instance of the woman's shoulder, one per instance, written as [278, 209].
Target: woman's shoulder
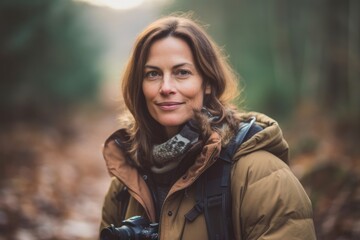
[119, 136]
[265, 136]
[258, 164]
[261, 166]
[265, 171]
[115, 184]
[116, 149]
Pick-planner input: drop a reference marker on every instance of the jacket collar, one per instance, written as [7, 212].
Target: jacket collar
[119, 166]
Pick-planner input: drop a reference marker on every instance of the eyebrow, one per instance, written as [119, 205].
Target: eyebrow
[176, 66]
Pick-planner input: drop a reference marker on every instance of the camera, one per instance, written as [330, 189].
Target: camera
[137, 228]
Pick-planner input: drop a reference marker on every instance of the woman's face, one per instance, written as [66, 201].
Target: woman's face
[172, 86]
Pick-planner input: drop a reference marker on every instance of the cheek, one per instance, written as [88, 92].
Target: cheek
[195, 95]
[192, 88]
[149, 91]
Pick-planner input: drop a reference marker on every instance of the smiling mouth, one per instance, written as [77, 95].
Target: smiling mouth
[168, 103]
[167, 106]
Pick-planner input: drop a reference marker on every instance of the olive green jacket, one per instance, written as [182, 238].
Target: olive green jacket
[268, 201]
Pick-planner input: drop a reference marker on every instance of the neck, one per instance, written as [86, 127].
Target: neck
[171, 131]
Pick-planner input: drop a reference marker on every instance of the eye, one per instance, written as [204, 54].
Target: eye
[152, 75]
[182, 73]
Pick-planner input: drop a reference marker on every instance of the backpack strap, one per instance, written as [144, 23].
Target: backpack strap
[123, 197]
[236, 141]
[213, 195]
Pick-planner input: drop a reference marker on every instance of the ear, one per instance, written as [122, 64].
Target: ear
[207, 88]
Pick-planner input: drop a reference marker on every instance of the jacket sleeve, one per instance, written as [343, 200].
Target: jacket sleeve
[111, 206]
[268, 200]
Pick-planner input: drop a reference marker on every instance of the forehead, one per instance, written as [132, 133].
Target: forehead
[169, 50]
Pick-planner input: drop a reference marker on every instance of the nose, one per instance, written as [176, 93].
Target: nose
[167, 87]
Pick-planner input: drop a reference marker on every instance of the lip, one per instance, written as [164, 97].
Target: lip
[169, 106]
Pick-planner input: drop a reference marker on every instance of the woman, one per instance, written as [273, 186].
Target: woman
[178, 88]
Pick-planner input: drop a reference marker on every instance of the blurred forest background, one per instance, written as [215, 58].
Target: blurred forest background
[60, 62]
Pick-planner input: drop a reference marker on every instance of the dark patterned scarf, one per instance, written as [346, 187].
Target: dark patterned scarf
[169, 154]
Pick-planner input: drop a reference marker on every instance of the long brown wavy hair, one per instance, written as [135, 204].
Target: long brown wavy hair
[210, 62]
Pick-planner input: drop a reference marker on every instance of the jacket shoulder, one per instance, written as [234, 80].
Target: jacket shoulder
[258, 164]
[270, 197]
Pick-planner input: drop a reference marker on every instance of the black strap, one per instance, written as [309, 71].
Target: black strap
[215, 201]
[123, 198]
[239, 138]
[213, 197]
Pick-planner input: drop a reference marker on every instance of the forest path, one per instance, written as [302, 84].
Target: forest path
[54, 182]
